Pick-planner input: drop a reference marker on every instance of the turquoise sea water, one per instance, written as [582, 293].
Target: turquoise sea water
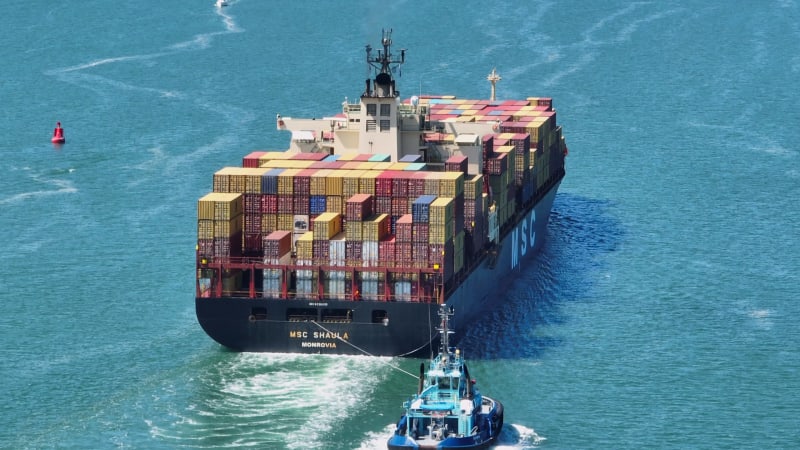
[662, 312]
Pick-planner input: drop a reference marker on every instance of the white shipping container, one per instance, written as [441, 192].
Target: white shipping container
[402, 290]
[369, 253]
[305, 274]
[283, 260]
[335, 288]
[337, 250]
[336, 275]
[369, 290]
[272, 288]
[306, 287]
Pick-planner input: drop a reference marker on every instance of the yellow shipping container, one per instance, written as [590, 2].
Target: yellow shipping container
[220, 206]
[305, 245]
[205, 229]
[440, 234]
[353, 230]
[286, 164]
[349, 156]
[270, 155]
[222, 179]
[398, 166]
[285, 222]
[375, 229]
[319, 182]
[367, 183]
[231, 179]
[451, 184]
[351, 183]
[366, 165]
[327, 225]
[432, 182]
[286, 181]
[473, 187]
[441, 211]
[269, 223]
[223, 228]
[334, 182]
[335, 204]
[382, 166]
[253, 179]
[536, 128]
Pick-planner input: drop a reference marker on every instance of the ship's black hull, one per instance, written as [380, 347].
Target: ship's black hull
[394, 328]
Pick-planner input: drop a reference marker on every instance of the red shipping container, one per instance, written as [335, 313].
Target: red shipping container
[403, 228]
[309, 156]
[400, 206]
[302, 204]
[269, 204]
[252, 203]
[399, 183]
[253, 242]
[252, 223]
[285, 204]
[277, 244]
[205, 247]
[419, 253]
[416, 184]
[321, 251]
[359, 207]
[383, 205]
[403, 253]
[488, 146]
[252, 160]
[352, 253]
[302, 182]
[386, 251]
[384, 183]
[456, 163]
[420, 232]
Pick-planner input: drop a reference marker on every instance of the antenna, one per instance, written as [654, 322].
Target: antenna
[384, 64]
[493, 78]
[444, 329]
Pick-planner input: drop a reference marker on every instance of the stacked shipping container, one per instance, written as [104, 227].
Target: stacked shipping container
[364, 211]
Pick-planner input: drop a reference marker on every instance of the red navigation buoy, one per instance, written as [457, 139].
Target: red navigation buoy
[58, 134]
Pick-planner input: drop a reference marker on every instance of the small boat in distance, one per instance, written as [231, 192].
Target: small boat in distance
[58, 135]
[221, 3]
[448, 411]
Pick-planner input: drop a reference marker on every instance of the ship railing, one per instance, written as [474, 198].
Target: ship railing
[216, 279]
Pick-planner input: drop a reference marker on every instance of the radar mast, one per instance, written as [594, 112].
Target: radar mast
[384, 64]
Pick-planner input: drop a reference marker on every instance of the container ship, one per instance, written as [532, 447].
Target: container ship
[350, 240]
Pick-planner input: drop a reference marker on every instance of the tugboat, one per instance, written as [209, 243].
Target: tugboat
[448, 411]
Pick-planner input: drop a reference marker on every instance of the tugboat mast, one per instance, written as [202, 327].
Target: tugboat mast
[445, 330]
